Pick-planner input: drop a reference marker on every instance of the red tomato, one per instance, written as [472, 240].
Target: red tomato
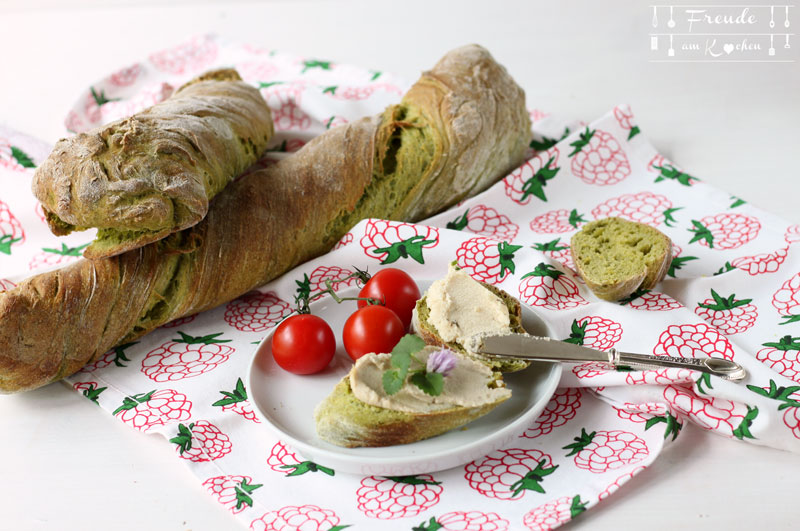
[373, 328]
[303, 344]
[396, 289]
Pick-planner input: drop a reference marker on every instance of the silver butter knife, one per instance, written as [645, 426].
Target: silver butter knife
[527, 347]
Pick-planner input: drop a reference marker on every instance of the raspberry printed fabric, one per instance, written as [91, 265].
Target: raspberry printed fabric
[733, 291]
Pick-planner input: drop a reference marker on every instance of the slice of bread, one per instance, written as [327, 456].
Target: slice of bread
[344, 420]
[617, 257]
[421, 326]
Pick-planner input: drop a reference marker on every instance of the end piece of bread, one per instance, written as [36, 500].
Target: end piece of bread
[617, 257]
[427, 331]
[344, 420]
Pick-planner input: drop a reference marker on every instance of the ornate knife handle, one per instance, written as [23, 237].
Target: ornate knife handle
[716, 366]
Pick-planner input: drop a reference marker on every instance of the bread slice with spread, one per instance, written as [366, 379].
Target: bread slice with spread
[458, 307]
[361, 413]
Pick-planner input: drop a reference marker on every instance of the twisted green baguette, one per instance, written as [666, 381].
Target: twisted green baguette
[462, 126]
[141, 178]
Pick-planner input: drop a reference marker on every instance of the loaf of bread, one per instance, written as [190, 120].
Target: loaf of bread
[141, 178]
[617, 257]
[462, 126]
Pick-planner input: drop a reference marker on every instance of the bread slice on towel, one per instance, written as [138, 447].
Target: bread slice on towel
[617, 257]
[344, 420]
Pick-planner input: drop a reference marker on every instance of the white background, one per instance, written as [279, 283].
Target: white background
[69, 465]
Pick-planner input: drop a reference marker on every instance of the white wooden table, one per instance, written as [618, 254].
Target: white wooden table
[69, 465]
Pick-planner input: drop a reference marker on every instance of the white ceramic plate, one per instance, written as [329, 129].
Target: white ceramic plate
[285, 403]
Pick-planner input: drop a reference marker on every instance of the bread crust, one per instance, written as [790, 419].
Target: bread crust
[155, 172]
[260, 226]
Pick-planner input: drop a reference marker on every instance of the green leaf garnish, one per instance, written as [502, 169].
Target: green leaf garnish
[393, 379]
[431, 383]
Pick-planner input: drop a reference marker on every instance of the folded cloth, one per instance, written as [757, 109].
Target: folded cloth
[733, 291]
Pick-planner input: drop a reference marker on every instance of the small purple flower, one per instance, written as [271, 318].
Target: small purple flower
[442, 361]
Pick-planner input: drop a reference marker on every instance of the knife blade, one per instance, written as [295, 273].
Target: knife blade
[527, 347]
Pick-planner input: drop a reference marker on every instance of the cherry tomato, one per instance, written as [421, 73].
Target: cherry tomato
[303, 344]
[396, 289]
[372, 328]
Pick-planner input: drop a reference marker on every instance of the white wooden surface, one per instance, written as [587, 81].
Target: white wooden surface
[69, 465]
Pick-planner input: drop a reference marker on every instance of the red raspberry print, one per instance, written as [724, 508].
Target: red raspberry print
[180, 321]
[486, 260]
[74, 123]
[126, 76]
[601, 451]
[643, 207]
[728, 418]
[659, 376]
[116, 356]
[347, 239]
[90, 390]
[537, 114]
[389, 241]
[508, 474]
[201, 441]
[560, 252]
[617, 483]
[40, 212]
[554, 513]
[792, 234]
[6, 285]
[335, 121]
[256, 311]
[285, 461]
[13, 158]
[11, 232]
[693, 341]
[727, 314]
[189, 57]
[667, 171]
[557, 221]
[787, 300]
[309, 64]
[641, 412]
[591, 369]
[237, 402]
[356, 93]
[145, 97]
[790, 402]
[624, 117]
[298, 518]
[597, 158]
[531, 178]
[595, 332]
[725, 231]
[146, 411]
[337, 276]
[782, 356]
[469, 521]
[393, 497]
[186, 357]
[652, 301]
[561, 408]
[232, 491]
[50, 257]
[761, 263]
[678, 261]
[486, 221]
[255, 71]
[549, 288]
[93, 103]
[284, 100]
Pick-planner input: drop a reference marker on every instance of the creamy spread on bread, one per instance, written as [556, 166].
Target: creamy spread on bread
[466, 385]
[460, 307]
